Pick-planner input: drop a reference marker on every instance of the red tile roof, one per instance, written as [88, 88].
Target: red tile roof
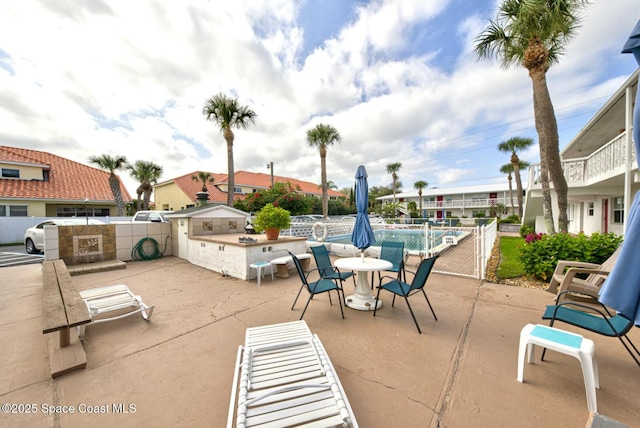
[68, 180]
[254, 180]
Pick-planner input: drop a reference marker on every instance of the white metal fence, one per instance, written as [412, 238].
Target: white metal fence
[462, 250]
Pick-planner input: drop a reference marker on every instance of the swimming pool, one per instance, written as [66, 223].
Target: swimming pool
[414, 240]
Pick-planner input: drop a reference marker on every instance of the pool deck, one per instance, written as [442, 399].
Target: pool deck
[177, 370]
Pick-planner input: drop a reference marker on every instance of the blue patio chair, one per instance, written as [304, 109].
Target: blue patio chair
[323, 285]
[399, 288]
[592, 316]
[392, 252]
[325, 268]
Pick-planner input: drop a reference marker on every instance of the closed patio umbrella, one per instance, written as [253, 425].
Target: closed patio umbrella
[362, 235]
[621, 290]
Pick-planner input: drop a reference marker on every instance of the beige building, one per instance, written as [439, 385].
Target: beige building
[181, 192]
[39, 184]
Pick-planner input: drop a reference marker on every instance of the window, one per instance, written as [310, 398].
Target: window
[237, 190]
[618, 210]
[13, 211]
[476, 213]
[10, 173]
[590, 209]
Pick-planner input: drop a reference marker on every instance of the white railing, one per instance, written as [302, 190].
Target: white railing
[468, 203]
[605, 162]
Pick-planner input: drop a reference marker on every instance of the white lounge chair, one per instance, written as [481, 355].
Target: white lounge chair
[112, 298]
[283, 377]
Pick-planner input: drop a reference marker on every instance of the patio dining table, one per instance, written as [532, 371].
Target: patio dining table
[362, 299]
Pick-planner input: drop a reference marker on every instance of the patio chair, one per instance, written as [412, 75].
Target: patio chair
[323, 285]
[392, 252]
[564, 276]
[111, 298]
[399, 288]
[594, 317]
[325, 268]
[284, 377]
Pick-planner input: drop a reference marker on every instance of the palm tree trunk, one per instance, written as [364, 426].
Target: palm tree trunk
[420, 202]
[114, 183]
[511, 195]
[228, 136]
[547, 129]
[323, 178]
[516, 173]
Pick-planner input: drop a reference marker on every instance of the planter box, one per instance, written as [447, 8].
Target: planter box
[510, 227]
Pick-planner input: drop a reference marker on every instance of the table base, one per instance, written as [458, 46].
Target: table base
[361, 303]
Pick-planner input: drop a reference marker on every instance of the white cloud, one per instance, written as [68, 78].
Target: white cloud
[131, 78]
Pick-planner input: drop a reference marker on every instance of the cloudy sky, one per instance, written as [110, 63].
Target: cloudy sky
[397, 78]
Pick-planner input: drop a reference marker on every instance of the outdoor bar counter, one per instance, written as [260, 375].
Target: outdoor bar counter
[226, 254]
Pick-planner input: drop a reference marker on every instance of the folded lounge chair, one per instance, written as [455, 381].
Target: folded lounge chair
[111, 298]
[283, 377]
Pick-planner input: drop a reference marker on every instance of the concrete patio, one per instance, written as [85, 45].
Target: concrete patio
[177, 370]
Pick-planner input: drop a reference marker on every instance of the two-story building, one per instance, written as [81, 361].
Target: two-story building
[600, 168]
[181, 192]
[464, 201]
[34, 183]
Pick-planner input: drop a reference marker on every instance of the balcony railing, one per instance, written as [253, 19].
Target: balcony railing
[467, 203]
[605, 162]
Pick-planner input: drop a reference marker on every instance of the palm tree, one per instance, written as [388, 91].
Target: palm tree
[112, 164]
[323, 136]
[147, 173]
[508, 169]
[204, 177]
[420, 185]
[533, 33]
[393, 169]
[513, 146]
[227, 114]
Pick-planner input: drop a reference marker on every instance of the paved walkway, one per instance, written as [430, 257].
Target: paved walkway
[177, 369]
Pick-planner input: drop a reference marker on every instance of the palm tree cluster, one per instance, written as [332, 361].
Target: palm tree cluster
[513, 146]
[147, 173]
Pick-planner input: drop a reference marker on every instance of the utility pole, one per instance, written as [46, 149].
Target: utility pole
[270, 166]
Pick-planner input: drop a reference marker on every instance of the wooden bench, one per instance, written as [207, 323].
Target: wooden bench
[62, 310]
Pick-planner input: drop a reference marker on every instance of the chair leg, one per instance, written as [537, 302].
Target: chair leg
[299, 291]
[412, 315]
[429, 303]
[377, 298]
[305, 306]
[340, 301]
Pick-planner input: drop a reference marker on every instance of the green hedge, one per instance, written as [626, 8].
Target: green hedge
[541, 253]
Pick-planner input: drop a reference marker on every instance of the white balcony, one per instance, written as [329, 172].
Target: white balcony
[606, 162]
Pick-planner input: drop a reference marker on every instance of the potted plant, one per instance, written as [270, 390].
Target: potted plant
[271, 220]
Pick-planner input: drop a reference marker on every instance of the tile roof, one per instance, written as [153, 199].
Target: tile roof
[68, 180]
[255, 180]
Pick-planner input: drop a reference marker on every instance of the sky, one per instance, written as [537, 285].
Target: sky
[398, 79]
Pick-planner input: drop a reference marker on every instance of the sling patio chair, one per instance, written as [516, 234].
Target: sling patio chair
[399, 288]
[593, 316]
[283, 378]
[322, 285]
[326, 269]
[392, 252]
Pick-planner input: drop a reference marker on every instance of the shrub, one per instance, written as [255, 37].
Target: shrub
[541, 253]
[526, 230]
[511, 219]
